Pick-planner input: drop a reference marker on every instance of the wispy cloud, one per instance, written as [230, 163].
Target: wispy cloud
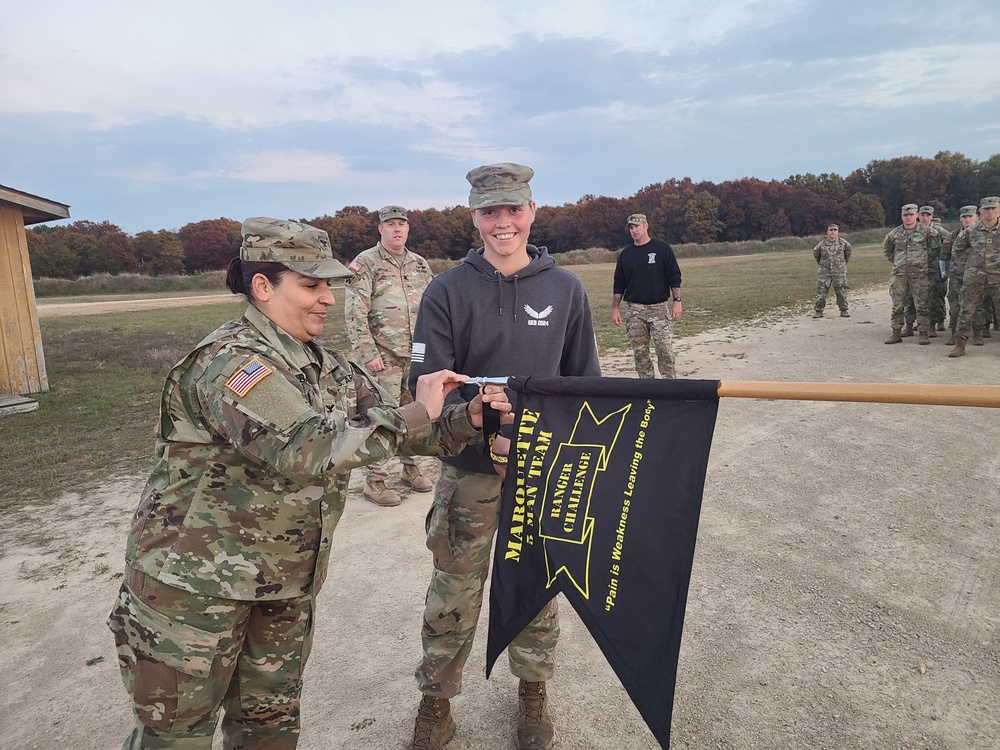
[164, 113]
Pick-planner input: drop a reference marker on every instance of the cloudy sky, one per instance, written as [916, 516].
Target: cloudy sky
[154, 114]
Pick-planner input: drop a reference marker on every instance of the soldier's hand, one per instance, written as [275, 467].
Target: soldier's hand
[376, 365]
[434, 386]
[616, 317]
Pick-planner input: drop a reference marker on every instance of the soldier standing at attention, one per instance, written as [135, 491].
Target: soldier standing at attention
[506, 310]
[907, 247]
[832, 256]
[259, 429]
[648, 278]
[382, 299]
[954, 263]
[935, 279]
[981, 242]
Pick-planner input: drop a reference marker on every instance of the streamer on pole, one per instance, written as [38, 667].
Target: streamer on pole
[877, 393]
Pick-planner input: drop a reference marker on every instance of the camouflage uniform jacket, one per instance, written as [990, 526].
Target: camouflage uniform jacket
[247, 489]
[940, 239]
[981, 247]
[382, 300]
[832, 256]
[955, 257]
[908, 250]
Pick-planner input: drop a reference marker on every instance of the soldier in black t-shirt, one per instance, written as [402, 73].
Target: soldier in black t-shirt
[648, 278]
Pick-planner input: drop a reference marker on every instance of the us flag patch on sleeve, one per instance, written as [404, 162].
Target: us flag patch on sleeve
[247, 377]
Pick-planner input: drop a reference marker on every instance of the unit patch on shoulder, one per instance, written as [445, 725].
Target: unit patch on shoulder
[247, 377]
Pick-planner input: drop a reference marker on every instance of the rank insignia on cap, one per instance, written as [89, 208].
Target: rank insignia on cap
[247, 377]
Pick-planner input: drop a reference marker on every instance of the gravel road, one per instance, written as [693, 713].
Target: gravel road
[845, 589]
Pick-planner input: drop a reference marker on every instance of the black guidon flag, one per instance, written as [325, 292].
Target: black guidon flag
[601, 502]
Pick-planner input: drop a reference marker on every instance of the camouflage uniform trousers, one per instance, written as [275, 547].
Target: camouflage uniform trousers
[955, 305]
[974, 292]
[899, 288]
[393, 380]
[645, 322]
[183, 656]
[836, 279]
[935, 301]
[989, 313]
[460, 529]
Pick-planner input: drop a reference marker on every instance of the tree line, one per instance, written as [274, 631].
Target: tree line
[679, 211]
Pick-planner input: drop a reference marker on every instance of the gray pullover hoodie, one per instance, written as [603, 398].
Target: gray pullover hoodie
[474, 321]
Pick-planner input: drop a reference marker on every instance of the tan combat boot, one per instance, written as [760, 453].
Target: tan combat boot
[376, 491]
[923, 338]
[986, 333]
[895, 338]
[907, 331]
[818, 314]
[413, 478]
[977, 336]
[534, 727]
[844, 314]
[952, 340]
[940, 325]
[959, 350]
[434, 725]
[932, 332]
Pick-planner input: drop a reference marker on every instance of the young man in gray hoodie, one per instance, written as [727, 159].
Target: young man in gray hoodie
[506, 310]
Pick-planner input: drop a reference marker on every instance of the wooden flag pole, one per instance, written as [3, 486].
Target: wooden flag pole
[881, 393]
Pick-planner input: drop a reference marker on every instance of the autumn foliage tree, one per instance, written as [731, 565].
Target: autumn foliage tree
[910, 179]
[211, 244]
[351, 229]
[679, 210]
[159, 253]
[442, 234]
[82, 248]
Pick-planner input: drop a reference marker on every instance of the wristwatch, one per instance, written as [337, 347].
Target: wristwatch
[677, 299]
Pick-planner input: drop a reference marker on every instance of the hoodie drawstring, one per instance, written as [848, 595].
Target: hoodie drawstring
[500, 293]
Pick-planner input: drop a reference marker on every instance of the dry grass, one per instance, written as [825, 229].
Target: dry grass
[106, 371]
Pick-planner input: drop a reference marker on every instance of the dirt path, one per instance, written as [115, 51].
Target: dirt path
[844, 591]
[65, 309]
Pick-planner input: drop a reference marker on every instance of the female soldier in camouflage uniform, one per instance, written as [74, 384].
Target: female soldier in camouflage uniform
[259, 428]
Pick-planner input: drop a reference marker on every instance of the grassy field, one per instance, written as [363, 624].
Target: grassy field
[106, 371]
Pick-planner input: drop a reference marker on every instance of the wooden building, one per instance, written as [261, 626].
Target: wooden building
[22, 363]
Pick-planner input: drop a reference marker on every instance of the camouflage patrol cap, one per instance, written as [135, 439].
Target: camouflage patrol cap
[392, 212]
[967, 211]
[927, 210]
[833, 226]
[990, 202]
[910, 208]
[295, 245]
[504, 184]
[636, 219]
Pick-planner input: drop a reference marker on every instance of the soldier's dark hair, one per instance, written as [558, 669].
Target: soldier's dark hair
[239, 275]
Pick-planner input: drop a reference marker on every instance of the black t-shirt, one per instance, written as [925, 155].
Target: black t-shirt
[645, 274]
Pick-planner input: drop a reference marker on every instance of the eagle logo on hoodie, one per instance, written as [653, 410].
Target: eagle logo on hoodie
[538, 318]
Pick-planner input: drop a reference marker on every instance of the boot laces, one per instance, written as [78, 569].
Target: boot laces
[533, 697]
[427, 718]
